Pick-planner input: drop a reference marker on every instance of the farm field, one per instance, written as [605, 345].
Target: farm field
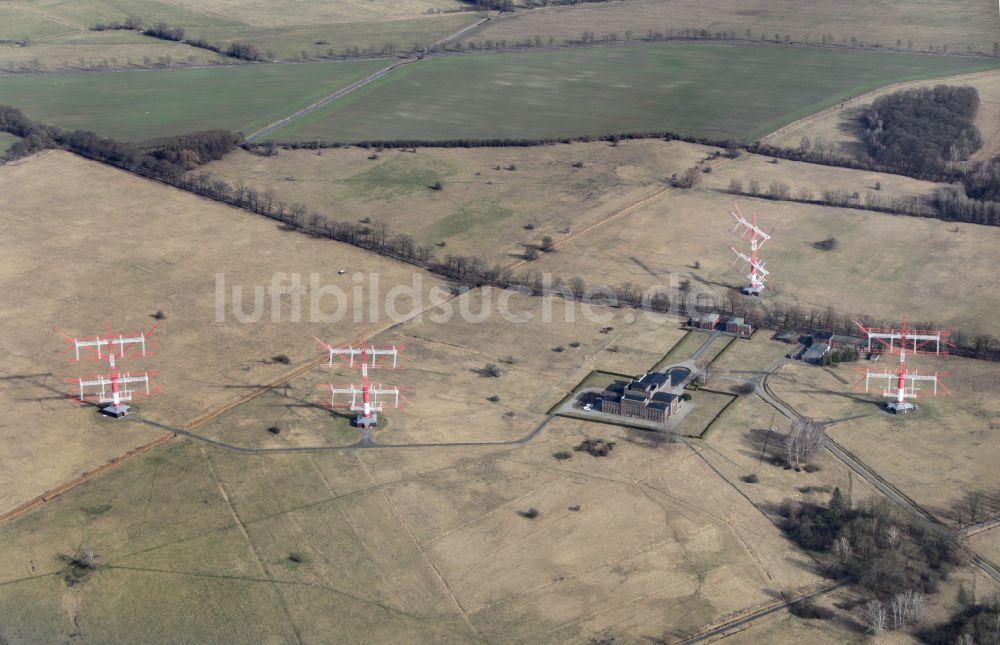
[57, 34]
[102, 50]
[138, 105]
[494, 201]
[667, 236]
[935, 456]
[681, 88]
[839, 126]
[166, 252]
[230, 12]
[424, 545]
[955, 25]
[311, 40]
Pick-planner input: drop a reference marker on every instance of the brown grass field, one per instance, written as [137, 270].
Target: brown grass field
[812, 177]
[112, 249]
[482, 210]
[839, 125]
[935, 456]
[412, 545]
[442, 376]
[663, 239]
[956, 25]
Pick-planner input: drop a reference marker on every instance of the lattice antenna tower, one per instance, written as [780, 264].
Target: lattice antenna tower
[368, 400]
[903, 384]
[747, 229]
[114, 388]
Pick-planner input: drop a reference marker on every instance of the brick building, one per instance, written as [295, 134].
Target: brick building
[643, 398]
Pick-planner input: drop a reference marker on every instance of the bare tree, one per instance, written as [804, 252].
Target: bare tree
[875, 616]
[842, 549]
[804, 438]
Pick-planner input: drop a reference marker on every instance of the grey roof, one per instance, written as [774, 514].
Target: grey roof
[816, 351]
[655, 379]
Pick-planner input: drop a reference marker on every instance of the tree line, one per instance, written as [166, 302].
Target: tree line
[163, 31]
[946, 203]
[170, 160]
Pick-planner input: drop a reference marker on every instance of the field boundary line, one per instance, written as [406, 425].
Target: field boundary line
[328, 99]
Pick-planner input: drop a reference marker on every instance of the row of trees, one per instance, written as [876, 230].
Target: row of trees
[947, 202]
[163, 31]
[588, 38]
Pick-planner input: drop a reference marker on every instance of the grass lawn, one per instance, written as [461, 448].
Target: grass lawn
[686, 88]
[144, 104]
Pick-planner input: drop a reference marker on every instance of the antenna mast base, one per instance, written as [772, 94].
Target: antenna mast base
[752, 291]
[116, 411]
[895, 407]
[371, 421]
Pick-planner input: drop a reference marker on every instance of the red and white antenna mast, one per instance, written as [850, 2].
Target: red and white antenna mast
[373, 398]
[113, 388]
[900, 342]
[749, 230]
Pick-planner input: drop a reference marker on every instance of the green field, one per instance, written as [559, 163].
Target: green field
[711, 90]
[144, 104]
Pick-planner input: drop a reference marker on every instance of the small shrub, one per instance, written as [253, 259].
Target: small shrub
[530, 514]
[559, 350]
[751, 478]
[510, 360]
[596, 447]
[512, 167]
[159, 315]
[613, 349]
[493, 370]
[574, 508]
[829, 244]
[493, 399]
[529, 226]
[575, 344]
[281, 358]
[296, 557]
[578, 164]
[373, 156]
[275, 430]
[812, 468]
[437, 185]
[686, 396]
[562, 455]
